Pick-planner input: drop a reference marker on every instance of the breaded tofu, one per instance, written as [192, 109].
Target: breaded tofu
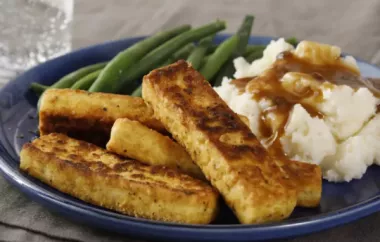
[244, 119]
[93, 175]
[131, 139]
[304, 177]
[230, 156]
[90, 116]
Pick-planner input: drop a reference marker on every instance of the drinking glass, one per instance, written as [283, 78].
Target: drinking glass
[31, 32]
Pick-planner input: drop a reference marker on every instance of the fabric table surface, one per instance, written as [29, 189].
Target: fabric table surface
[352, 25]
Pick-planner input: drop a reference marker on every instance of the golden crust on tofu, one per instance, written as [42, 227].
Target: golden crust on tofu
[93, 175]
[244, 119]
[90, 116]
[131, 139]
[220, 143]
[304, 177]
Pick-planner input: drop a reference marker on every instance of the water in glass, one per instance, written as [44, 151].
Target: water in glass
[31, 32]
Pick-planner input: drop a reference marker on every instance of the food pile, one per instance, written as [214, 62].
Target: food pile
[167, 148]
[187, 147]
[315, 109]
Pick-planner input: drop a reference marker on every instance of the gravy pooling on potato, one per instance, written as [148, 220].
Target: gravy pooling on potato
[269, 86]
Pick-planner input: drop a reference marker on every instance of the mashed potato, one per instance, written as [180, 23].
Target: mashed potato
[244, 69]
[306, 138]
[344, 142]
[355, 154]
[346, 110]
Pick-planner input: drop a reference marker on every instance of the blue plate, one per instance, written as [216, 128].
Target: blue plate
[341, 203]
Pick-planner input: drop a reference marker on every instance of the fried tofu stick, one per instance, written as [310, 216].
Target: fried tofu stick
[130, 138]
[95, 176]
[230, 156]
[90, 116]
[304, 177]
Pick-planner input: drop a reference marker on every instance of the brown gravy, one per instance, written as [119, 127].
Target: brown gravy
[241, 83]
[268, 85]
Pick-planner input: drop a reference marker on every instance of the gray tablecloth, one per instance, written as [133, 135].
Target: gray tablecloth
[353, 25]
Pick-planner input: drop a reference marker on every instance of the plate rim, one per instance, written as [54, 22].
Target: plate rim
[283, 228]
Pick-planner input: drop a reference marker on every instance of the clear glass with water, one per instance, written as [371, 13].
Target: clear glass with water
[31, 32]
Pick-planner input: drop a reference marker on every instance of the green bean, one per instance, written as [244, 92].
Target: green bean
[165, 63]
[219, 57]
[38, 88]
[249, 58]
[69, 80]
[197, 55]
[137, 92]
[293, 41]
[243, 33]
[258, 49]
[227, 70]
[85, 82]
[252, 48]
[254, 56]
[180, 54]
[114, 72]
[205, 59]
[164, 51]
[211, 49]
[183, 53]
[248, 49]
